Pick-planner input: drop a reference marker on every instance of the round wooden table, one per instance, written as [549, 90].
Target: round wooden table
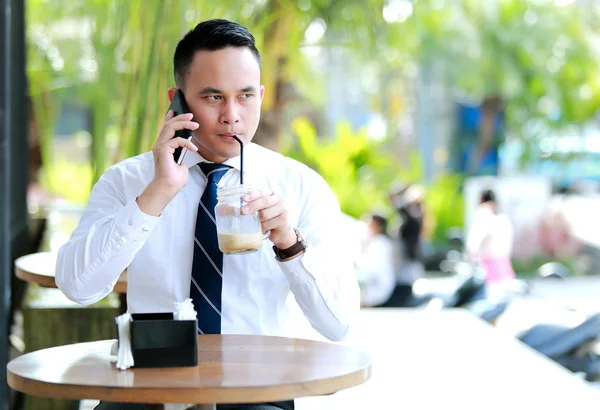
[40, 268]
[231, 369]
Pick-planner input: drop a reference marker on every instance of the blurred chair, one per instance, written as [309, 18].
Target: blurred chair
[32, 244]
[553, 270]
[568, 346]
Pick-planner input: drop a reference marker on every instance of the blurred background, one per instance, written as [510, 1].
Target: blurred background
[372, 94]
[451, 96]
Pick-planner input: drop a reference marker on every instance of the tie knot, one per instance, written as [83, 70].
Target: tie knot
[214, 172]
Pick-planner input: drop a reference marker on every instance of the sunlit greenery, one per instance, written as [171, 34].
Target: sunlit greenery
[357, 169]
[362, 173]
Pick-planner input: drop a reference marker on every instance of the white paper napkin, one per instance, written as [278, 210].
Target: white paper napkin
[184, 310]
[124, 356]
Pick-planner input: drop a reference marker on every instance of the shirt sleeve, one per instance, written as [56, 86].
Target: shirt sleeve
[111, 231]
[323, 279]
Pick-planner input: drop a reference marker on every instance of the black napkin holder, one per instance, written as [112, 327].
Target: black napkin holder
[159, 341]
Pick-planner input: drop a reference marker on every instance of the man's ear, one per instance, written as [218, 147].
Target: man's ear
[262, 92]
[171, 92]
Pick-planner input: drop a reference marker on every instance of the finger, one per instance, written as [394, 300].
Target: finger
[179, 125]
[272, 212]
[252, 195]
[170, 128]
[181, 117]
[257, 193]
[274, 223]
[260, 204]
[170, 117]
[180, 142]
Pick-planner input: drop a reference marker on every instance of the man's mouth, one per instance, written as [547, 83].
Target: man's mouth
[228, 136]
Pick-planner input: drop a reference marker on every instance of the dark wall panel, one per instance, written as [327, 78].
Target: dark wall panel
[13, 162]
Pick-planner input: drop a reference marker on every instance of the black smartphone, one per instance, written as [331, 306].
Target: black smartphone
[179, 106]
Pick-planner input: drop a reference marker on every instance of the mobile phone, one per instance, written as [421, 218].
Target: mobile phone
[179, 106]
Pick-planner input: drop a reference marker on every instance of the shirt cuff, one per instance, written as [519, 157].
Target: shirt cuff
[301, 269]
[132, 222]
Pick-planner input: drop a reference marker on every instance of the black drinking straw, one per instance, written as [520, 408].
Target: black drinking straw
[241, 159]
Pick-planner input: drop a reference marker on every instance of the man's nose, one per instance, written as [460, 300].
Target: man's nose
[229, 114]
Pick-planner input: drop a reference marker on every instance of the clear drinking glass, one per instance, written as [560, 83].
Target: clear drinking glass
[237, 233]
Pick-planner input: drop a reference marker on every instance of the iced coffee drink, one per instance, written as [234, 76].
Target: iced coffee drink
[240, 242]
[238, 233]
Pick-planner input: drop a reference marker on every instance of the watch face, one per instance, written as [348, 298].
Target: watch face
[304, 242]
[299, 237]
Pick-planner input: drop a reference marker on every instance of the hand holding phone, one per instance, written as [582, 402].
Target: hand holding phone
[179, 106]
[169, 177]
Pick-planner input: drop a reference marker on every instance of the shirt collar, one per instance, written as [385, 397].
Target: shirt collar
[193, 158]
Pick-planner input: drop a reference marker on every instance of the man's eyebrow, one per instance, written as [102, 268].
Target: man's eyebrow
[210, 90]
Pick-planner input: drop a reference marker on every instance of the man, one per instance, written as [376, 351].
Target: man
[143, 214]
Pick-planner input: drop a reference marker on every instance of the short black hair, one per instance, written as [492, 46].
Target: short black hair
[381, 221]
[487, 196]
[210, 35]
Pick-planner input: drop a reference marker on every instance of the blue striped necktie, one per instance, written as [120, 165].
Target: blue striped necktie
[207, 268]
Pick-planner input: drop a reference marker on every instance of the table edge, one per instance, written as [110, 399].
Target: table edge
[49, 281]
[42, 280]
[190, 395]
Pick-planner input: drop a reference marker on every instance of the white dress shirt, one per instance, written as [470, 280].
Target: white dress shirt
[375, 271]
[260, 295]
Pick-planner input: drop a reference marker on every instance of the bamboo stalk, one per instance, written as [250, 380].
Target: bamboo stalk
[141, 120]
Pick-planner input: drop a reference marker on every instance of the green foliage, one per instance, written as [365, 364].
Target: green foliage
[356, 168]
[445, 203]
[361, 172]
[67, 179]
[540, 58]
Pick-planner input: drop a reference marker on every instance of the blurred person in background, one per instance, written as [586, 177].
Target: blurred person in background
[375, 264]
[490, 239]
[409, 204]
[558, 221]
[410, 207]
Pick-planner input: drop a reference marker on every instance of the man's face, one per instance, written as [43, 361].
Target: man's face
[223, 91]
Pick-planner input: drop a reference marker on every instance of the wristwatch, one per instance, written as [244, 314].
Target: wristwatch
[295, 249]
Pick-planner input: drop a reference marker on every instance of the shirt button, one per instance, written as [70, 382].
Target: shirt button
[123, 241]
[102, 259]
[130, 222]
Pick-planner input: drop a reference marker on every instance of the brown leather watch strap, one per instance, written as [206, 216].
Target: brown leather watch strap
[293, 250]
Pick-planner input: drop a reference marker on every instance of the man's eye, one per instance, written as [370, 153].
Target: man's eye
[245, 96]
[214, 97]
